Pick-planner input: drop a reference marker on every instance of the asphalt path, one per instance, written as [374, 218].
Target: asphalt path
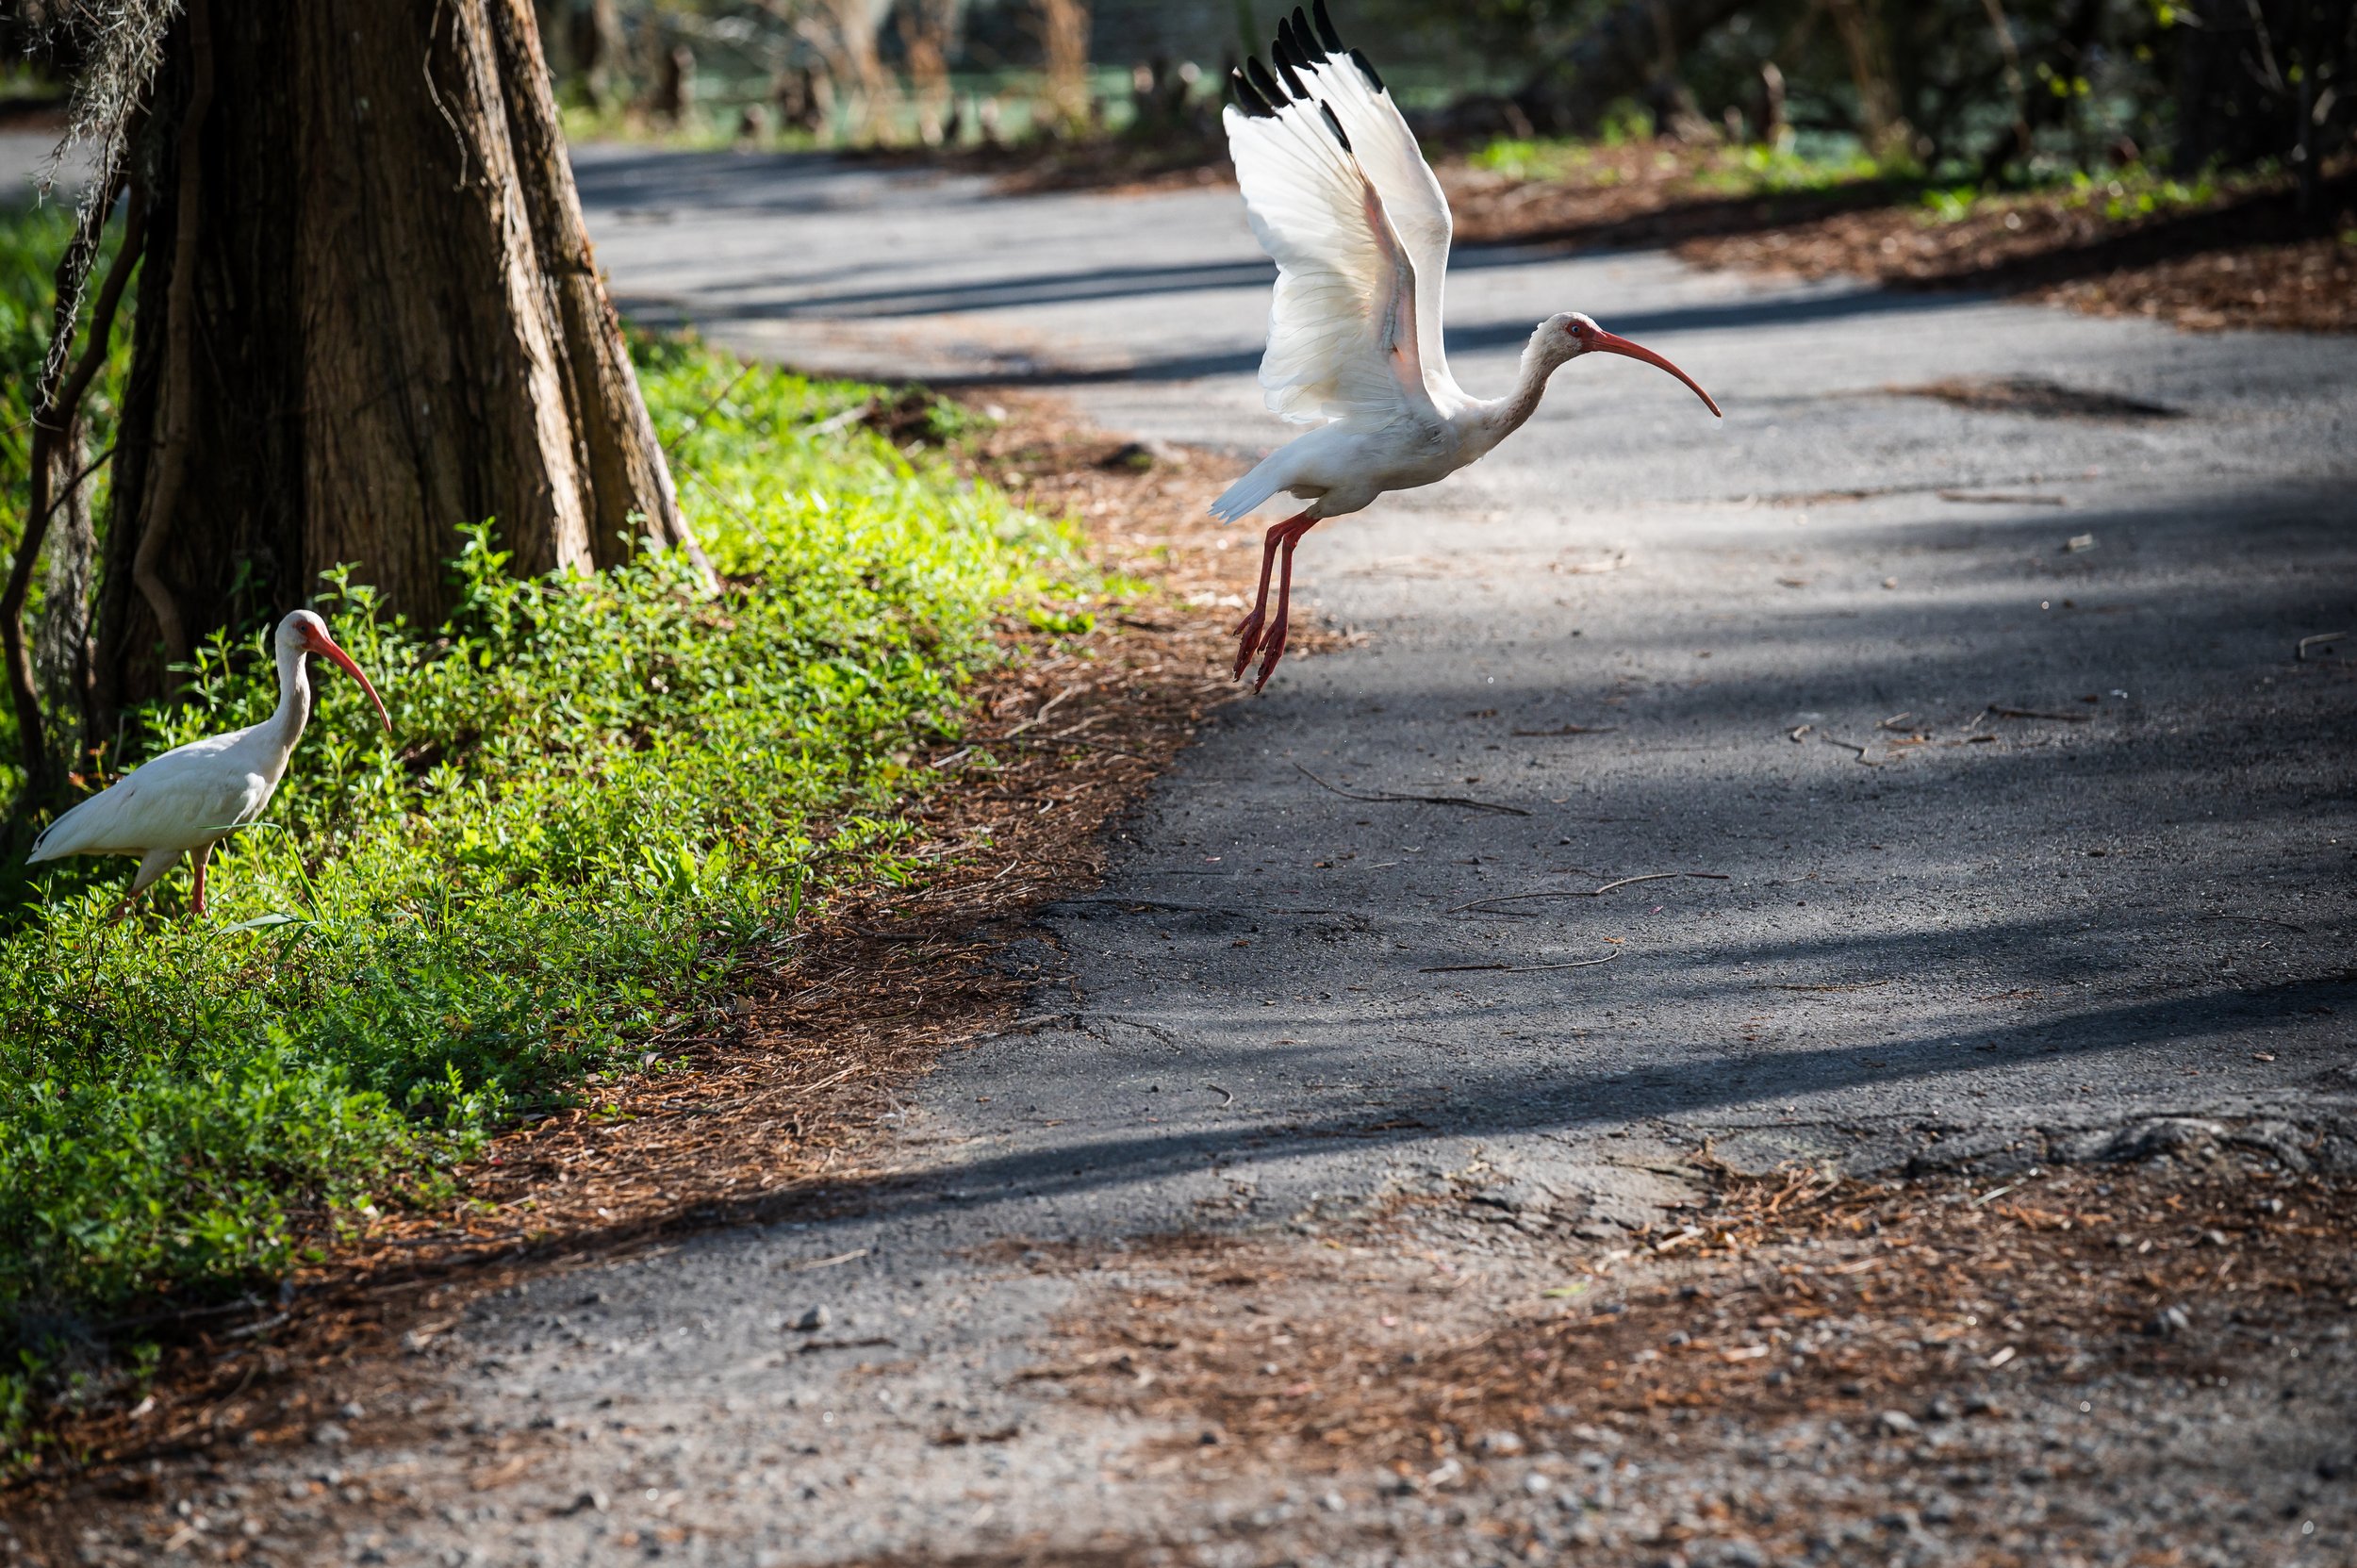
[2141, 908]
[1990, 814]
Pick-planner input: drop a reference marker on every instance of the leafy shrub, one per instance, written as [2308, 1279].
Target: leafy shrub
[601, 792]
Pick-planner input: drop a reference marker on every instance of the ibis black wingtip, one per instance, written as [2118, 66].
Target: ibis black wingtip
[1366, 69]
[1305, 37]
[1287, 72]
[1282, 50]
[1265, 84]
[1326, 35]
[1248, 97]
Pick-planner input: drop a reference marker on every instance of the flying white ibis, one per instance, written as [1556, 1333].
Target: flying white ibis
[1341, 199]
[194, 796]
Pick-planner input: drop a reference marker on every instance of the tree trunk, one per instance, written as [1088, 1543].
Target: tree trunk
[928, 32]
[368, 315]
[1068, 104]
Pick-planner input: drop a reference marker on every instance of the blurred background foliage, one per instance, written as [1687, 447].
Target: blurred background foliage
[1995, 86]
[1989, 91]
[1981, 90]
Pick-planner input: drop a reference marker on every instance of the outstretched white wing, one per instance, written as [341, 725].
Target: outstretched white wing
[1343, 79]
[1343, 339]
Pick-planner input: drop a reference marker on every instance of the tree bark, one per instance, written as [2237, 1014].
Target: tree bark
[368, 315]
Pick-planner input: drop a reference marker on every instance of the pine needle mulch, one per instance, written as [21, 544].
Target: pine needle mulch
[2244, 255]
[1930, 1319]
[2250, 260]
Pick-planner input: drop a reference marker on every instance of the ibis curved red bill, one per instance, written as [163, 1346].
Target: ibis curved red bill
[321, 644]
[1608, 342]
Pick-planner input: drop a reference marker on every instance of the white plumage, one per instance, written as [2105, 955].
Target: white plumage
[193, 795]
[1341, 197]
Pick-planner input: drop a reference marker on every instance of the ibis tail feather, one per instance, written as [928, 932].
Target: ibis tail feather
[1274, 474]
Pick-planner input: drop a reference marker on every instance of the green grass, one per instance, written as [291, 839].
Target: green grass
[1829, 164]
[1759, 170]
[2122, 194]
[603, 793]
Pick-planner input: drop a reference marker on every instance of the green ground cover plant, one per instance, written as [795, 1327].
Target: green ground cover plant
[602, 793]
[1823, 164]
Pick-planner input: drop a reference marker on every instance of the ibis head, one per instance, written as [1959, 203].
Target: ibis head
[1583, 336]
[304, 633]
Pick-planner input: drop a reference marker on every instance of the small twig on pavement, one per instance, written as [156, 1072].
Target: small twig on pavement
[828, 1263]
[1225, 1098]
[2256, 920]
[1465, 800]
[2301, 653]
[1587, 892]
[1570, 730]
[1515, 968]
[2034, 713]
[1630, 881]
[814, 1347]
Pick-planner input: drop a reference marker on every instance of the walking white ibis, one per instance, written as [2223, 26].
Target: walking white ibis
[194, 796]
[1341, 199]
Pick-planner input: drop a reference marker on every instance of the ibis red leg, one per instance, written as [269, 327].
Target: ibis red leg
[1273, 646]
[1248, 630]
[203, 853]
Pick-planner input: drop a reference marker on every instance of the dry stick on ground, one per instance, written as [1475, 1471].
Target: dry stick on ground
[1589, 892]
[53, 419]
[1045, 708]
[1465, 800]
[2301, 653]
[2034, 713]
[2256, 920]
[1515, 968]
